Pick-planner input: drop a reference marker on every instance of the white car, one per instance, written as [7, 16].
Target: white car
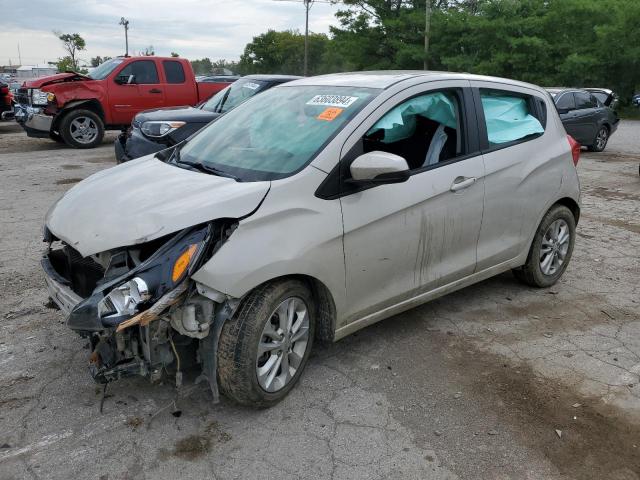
[313, 210]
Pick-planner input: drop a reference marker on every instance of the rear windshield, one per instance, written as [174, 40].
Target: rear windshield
[234, 95]
[276, 133]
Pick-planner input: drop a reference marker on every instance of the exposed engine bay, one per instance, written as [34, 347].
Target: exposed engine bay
[139, 308]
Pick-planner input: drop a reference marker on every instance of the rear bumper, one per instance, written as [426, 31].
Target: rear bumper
[59, 288]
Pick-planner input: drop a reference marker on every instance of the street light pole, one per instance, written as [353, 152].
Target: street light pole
[125, 23]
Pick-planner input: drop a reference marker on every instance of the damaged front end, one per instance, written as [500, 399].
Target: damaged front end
[138, 306]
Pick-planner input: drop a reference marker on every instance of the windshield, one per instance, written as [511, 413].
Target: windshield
[234, 95]
[276, 133]
[103, 70]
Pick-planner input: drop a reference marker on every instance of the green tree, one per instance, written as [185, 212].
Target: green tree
[95, 61]
[283, 52]
[202, 66]
[72, 43]
[174, 54]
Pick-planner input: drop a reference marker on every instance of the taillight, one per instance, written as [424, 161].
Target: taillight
[575, 149]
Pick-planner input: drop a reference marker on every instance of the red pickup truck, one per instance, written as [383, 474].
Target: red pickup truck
[76, 109]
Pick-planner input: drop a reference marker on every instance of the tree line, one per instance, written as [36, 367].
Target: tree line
[572, 43]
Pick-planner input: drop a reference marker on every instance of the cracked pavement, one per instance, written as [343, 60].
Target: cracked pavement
[475, 385]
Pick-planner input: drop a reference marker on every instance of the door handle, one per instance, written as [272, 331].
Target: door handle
[155, 90]
[461, 183]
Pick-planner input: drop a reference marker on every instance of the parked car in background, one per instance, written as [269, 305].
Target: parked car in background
[584, 117]
[635, 100]
[155, 130]
[6, 102]
[76, 109]
[220, 78]
[607, 97]
[308, 212]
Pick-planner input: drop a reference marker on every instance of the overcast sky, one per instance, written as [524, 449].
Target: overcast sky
[193, 28]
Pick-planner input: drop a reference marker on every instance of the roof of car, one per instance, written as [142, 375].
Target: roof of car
[386, 78]
[274, 78]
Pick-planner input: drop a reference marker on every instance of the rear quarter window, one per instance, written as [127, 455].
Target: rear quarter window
[511, 117]
[173, 71]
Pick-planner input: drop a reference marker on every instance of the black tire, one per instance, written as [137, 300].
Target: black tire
[240, 336]
[600, 140]
[68, 128]
[56, 137]
[531, 272]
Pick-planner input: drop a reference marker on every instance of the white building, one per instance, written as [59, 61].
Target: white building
[33, 71]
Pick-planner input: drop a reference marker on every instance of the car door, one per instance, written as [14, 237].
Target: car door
[134, 88]
[406, 238]
[566, 105]
[523, 168]
[587, 116]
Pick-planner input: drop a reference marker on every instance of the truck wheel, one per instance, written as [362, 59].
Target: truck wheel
[551, 249]
[264, 348]
[56, 137]
[82, 129]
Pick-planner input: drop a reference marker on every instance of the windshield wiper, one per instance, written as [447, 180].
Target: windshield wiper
[201, 167]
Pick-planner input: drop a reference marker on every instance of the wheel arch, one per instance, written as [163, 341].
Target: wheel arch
[89, 104]
[325, 308]
[571, 204]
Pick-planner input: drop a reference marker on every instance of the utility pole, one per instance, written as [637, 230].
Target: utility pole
[19, 55]
[125, 23]
[307, 6]
[427, 26]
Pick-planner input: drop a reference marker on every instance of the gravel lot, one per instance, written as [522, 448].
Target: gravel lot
[497, 381]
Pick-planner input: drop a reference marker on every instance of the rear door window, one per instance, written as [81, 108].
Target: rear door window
[584, 100]
[509, 117]
[173, 71]
[566, 101]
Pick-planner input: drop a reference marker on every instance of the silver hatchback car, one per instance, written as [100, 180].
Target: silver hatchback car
[311, 211]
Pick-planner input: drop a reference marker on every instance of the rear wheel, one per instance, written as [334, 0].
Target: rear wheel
[264, 349]
[82, 129]
[551, 249]
[600, 142]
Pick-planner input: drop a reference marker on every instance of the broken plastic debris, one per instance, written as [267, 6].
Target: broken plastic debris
[492, 432]
[576, 405]
[559, 433]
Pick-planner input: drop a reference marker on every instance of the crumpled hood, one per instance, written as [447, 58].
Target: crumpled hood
[57, 78]
[145, 199]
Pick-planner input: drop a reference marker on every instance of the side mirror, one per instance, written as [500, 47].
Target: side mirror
[379, 167]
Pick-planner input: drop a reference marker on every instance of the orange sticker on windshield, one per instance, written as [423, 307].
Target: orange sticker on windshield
[329, 114]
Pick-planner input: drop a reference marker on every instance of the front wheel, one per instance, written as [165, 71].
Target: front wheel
[600, 142]
[82, 129]
[265, 347]
[551, 249]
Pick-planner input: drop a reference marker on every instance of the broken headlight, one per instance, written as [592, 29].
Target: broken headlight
[38, 97]
[150, 280]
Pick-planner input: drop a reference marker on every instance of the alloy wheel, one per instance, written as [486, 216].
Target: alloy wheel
[601, 138]
[554, 247]
[83, 130]
[283, 344]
